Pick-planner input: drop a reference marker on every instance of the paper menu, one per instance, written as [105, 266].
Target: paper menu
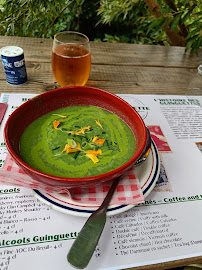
[34, 235]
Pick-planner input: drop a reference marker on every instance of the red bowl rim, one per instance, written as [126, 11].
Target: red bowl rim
[117, 171]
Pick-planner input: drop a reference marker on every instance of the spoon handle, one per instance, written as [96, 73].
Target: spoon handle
[86, 242]
[106, 201]
[83, 247]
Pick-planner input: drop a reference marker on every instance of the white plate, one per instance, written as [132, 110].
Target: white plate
[147, 172]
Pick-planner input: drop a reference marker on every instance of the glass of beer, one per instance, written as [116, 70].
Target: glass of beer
[71, 58]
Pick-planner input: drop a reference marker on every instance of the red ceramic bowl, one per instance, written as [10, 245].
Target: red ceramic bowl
[68, 96]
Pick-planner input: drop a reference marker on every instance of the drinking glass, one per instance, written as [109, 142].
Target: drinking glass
[71, 58]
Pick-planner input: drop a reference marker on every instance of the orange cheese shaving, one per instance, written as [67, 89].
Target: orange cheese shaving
[98, 123]
[97, 140]
[73, 132]
[92, 154]
[68, 148]
[56, 123]
[78, 132]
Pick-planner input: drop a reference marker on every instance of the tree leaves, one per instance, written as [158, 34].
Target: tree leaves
[157, 24]
[119, 20]
[179, 16]
[174, 24]
[35, 18]
[166, 10]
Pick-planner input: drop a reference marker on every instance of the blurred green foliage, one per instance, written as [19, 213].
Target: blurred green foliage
[134, 18]
[150, 19]
[130, 21]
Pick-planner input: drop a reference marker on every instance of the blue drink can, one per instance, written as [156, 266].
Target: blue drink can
[14, 64]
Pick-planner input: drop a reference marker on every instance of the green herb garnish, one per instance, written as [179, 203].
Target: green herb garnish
[56, 148]
[76, 155]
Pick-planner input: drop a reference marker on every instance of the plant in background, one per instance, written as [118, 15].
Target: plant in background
[176, 22]
[163, 22]
[34, 18]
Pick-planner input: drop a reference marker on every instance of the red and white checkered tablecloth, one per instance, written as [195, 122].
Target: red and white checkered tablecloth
[128, 190]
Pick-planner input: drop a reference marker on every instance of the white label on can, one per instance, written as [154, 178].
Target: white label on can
[6, 63]
[19, 63]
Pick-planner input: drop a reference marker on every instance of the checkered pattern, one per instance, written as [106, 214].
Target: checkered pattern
[11, 174]
[127, 192]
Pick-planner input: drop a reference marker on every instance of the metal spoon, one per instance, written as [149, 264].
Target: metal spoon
[85, 243]
[83, 247]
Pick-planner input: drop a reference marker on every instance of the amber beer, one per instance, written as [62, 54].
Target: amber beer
[71, 59]
[71, 65]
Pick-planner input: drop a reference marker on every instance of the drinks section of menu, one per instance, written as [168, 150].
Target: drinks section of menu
[167, 226]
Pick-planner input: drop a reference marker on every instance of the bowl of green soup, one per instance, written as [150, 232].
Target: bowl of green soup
[75, 136]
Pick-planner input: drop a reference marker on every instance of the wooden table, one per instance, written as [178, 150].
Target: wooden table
[118, 68]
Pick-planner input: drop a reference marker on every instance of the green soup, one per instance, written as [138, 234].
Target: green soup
[77, 141]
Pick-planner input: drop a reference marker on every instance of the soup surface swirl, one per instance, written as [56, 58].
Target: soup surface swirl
[76, 142]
